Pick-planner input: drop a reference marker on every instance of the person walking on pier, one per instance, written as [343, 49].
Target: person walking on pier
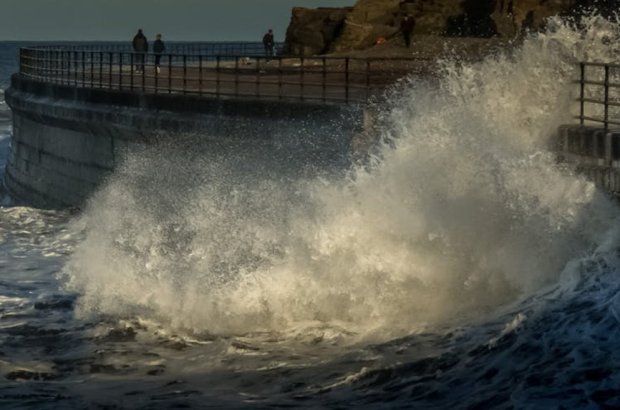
[158, 48]
[268, 42]
[406, 26]
[140, 47]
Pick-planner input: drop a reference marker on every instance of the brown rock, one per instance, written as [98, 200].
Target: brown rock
[514, 16]
[358, 28]
[313, 31]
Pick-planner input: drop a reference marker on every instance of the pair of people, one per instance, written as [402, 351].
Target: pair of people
[141, 47]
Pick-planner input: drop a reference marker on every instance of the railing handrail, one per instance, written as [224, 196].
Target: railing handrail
[603, 84]
[188, 47]
[600, 64]
[236, 55]
[325, 78]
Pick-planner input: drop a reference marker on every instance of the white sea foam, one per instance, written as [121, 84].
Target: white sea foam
[465, 211]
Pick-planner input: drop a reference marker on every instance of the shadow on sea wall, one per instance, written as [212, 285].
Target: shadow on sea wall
[67, 140]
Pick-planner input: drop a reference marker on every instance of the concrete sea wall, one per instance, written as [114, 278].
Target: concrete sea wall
[67, 140]
[596, 153]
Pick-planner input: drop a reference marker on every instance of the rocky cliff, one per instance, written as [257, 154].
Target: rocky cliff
[314, 31]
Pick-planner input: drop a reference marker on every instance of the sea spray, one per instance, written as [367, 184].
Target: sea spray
[466, 210]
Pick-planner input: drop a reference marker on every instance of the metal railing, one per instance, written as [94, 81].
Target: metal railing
[232, 48]
[599, 94]
[327, 79]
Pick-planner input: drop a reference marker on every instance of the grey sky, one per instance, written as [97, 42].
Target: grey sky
[207, 20]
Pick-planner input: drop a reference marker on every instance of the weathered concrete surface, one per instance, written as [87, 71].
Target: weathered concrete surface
[595, 152]
[67, 140]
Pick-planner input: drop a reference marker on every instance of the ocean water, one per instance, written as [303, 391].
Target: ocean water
[461, 267]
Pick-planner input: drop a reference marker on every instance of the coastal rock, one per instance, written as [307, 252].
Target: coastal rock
[371, 19]
[332, 30]
[511, 17]
[313, 31]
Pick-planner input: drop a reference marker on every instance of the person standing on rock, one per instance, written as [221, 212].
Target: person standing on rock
[268, 42]
[406, 26]
[158, 49]
[140, 47]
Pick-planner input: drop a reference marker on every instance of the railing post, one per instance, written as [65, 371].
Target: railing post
[131, 70]
[37, 65]
[280, 78]
[606, 118]
[257, 76]
[40, 63]
[92, 69]
[120, 70]
[58, 73]
[64, 66]
[184, 73]
[28, 63]
[75, 68]
[236, 76]
[200, 74]
[83, 69]
[33, 63]
[110, 60]
[48, 58]
[46, 63]
[217, 76]
[367, 79]
[69, 66]
[57, 67]
[169, 73]
[53, 67]
[64, 75]
[346, 79]
[157, 76]
[302, 78]
[582, 93]
[145, 64]
[324, 82]
[101, 69]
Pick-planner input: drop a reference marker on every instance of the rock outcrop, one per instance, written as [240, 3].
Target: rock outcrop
[313, 31]
[332, 30]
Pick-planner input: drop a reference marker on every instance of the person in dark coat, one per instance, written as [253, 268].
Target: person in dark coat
[158, 48]
[140, 47]
[407, 25]
[268, 42]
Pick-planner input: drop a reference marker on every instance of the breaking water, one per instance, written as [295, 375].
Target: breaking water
[462, 268]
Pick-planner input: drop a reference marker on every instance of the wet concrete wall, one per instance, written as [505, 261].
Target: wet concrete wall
[595, 151]
[68, 140]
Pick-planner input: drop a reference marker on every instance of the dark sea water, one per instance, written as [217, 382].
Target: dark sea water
[461, 268]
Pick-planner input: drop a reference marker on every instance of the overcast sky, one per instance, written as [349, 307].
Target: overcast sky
[205, 20]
